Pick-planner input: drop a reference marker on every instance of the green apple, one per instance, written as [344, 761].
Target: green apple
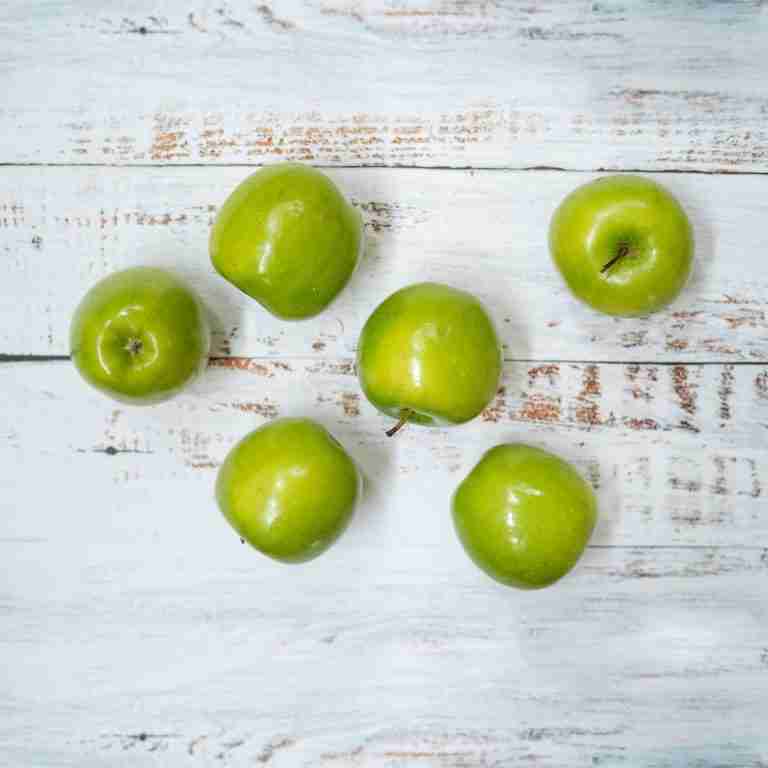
[140, 335]
[289, 489]
[524, 516]
[288, 238]
[623, 244]
[429, 354]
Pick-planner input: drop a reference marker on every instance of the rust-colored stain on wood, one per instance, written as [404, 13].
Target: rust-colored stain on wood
[646, 423]
[241, 364]
[251, 365]
[748, 316]
[591, 381]
[588, 408]
[549, 370]
[497, 408]
[350, 404]
[642, 381]
[170, 141]
[717, 346]
[538, 407]
[202, 464]
[676, 345]
[683, 389]
[358, 137]
[391, 138]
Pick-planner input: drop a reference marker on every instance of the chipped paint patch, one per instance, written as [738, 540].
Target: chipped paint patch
[551, 371]
[539, 408]
[265, 408]
[170, 140]
[588, 406]
[333, 368]
[633, 339]
[257, 366]
[641, 424]
[761, 385]
[497, 408]
[725, 392]
[642, 381]
[350, 404]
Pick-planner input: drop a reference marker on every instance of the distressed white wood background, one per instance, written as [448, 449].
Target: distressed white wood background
[136, 630]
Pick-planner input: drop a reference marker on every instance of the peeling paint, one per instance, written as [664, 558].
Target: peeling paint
[684, 391]
[550, 370]
[265, 408]
[761, 385]
[256, 366]
[497, 408]
[725, 392]
[588, 408]
[540, 408]
[350, 404]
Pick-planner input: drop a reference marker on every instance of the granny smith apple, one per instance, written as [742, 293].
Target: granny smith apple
[288, 238]
[524, 515]
[429, 354]
[140, 335]
[289, 489]
[623, 244]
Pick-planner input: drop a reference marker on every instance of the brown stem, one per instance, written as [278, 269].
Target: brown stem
[622, 252]
[405, 414]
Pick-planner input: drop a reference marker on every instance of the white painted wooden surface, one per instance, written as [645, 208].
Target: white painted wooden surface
[135, 628]
[387, 82]
[65, 228]
[131, 608]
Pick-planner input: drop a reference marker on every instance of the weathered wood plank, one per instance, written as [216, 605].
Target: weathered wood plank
[168, 654]
[136, 628]
[376, 82]
[61, 229]
[678, 453]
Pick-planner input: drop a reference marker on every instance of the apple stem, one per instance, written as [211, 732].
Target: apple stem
[405, 414]
[622, 252]
[134, 346]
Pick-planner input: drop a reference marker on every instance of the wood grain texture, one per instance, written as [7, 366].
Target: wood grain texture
[138, 630]
[62, 229]
[387, 82]
[678, 453]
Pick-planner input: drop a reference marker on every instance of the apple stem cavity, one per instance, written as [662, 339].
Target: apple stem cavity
[623, 251]
[405, 414]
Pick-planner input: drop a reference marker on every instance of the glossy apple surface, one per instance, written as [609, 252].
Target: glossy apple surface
[288, 238]
[289, 489]
[429, 354]
[524, 515]
[140, 335]
[623, 244]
